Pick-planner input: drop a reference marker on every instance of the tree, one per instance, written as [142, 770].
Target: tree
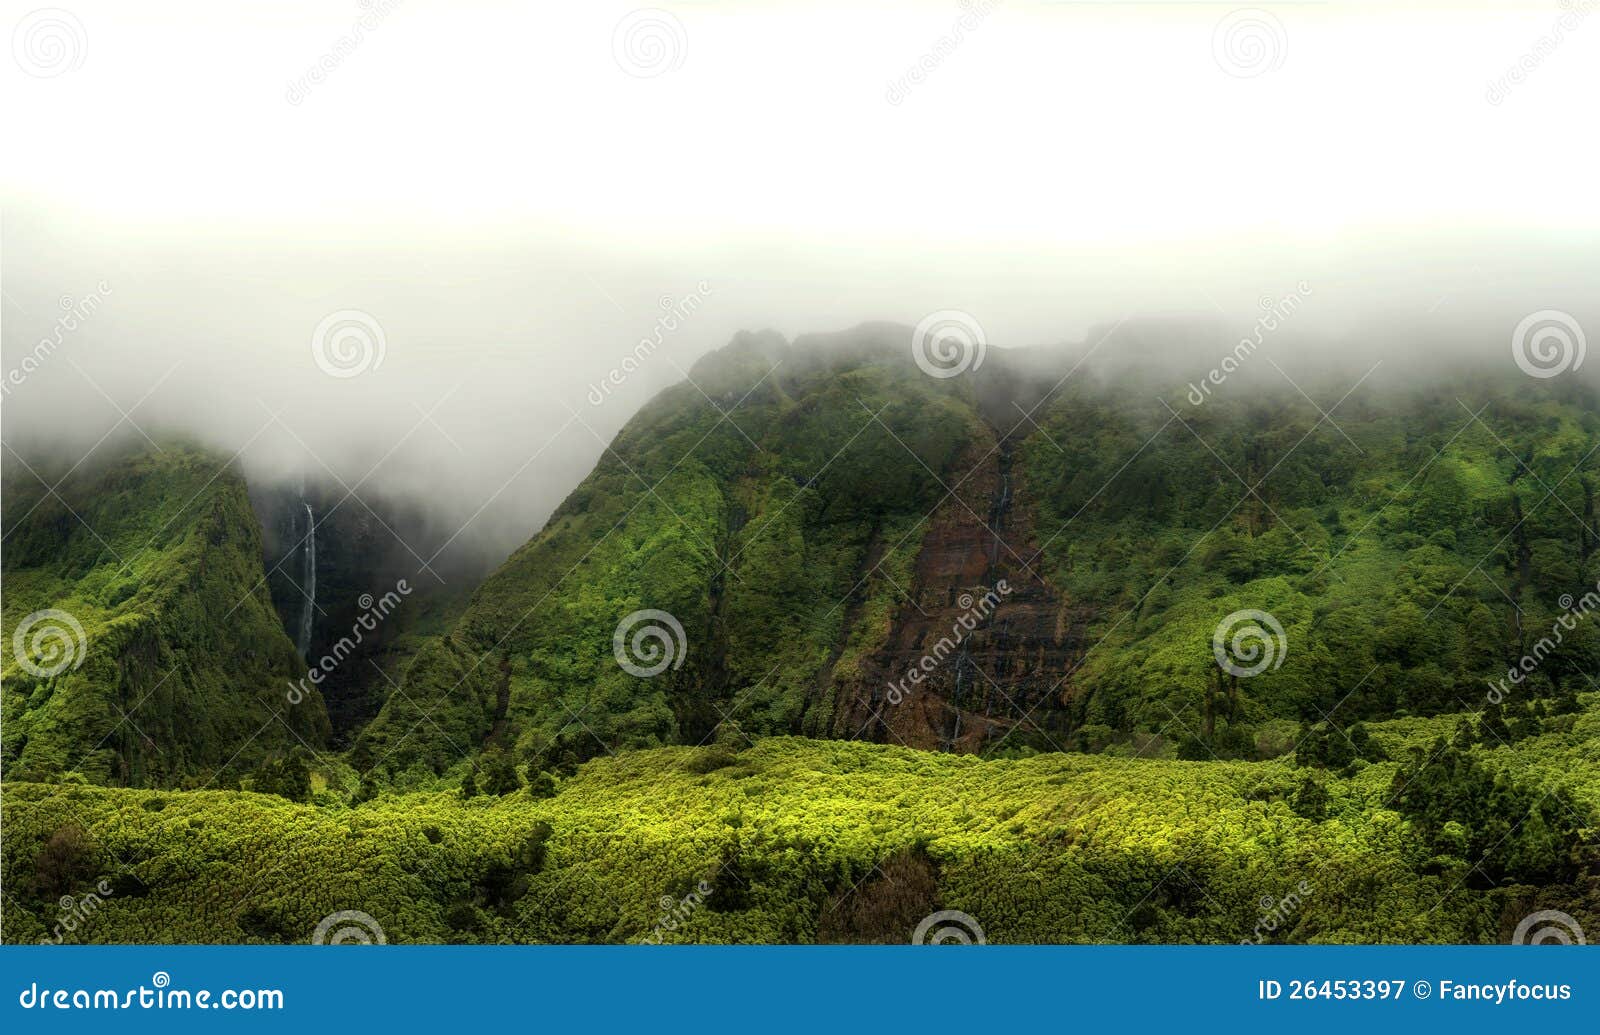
[66, 862]
[541, 782]
[499, 774]
[1311, 800]
[1492, 728]
[1466, 810]
[288, 777]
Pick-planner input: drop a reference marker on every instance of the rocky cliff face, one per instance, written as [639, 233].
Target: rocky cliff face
[980, 650]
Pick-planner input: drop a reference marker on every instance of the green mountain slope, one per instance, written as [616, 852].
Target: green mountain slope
[820, 518]
[748, 506]
[143, 572]
[1410, 555]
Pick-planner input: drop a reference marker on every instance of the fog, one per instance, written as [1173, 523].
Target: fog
[512, 197]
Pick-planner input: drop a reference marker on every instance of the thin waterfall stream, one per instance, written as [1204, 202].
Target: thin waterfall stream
[309, 586]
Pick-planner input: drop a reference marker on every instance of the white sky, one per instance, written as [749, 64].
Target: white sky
[1050, 124]
[488, 181]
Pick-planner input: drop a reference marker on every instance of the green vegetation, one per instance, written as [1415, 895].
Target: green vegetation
[1411, 554]
[1384, 773]
[183, 663]
[751, 529]
[1409, 564]
[794, 837]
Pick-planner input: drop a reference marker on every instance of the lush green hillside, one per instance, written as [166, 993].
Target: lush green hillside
[814, 515]
[751, 506]
[177, 669]
[1410, 556]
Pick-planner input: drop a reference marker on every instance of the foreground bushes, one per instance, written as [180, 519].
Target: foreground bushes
[794, 841]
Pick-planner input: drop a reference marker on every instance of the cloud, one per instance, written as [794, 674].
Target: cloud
[509, 214]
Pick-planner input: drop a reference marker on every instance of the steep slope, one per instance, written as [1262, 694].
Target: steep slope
[150, 654]
[1410, 549]
[1032, 555]
[768, 507]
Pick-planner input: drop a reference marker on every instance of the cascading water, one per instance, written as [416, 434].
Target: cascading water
[309, 582]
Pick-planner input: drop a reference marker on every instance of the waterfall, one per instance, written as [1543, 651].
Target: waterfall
[310, 582]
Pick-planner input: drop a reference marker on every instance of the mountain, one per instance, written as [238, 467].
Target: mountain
[141, 646]
[800, 526]
[728, 504]
[826, 644]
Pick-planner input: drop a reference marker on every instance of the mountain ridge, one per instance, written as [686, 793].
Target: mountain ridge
[795, 500]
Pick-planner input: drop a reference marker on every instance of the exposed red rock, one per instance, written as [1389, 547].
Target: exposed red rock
[991, 638]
